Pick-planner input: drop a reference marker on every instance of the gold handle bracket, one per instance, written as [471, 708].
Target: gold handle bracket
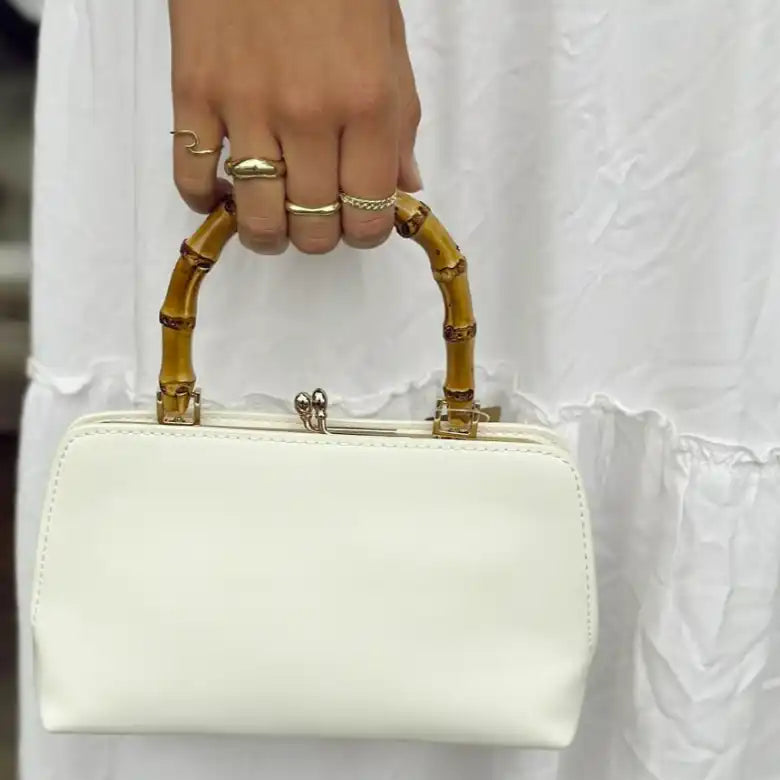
[178, 401]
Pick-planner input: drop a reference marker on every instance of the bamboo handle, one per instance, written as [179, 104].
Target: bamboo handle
[413, 220]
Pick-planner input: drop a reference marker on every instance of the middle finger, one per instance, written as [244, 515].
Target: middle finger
[312, 182]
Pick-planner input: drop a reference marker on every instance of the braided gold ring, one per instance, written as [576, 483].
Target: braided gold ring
[192, 147]
[255, 168]
[369, 204]
[319, 211]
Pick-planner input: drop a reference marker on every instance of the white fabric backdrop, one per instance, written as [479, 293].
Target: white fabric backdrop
[613, 172]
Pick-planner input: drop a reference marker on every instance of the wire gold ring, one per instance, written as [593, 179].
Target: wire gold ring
[192, 147]
[369, 204]
[319, 211]
[255, 168]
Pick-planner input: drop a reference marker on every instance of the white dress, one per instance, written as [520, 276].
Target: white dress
[612, 170]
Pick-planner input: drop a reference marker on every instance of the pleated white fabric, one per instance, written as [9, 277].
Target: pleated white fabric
[612, 171]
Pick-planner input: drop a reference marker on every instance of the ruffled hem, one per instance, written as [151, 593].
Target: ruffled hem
[413, 399]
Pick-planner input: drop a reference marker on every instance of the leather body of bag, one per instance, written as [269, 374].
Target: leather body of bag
[239, 573]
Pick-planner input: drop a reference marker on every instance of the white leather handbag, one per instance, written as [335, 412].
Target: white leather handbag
[238, 573]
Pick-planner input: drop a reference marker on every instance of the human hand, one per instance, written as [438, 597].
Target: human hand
[327, 86]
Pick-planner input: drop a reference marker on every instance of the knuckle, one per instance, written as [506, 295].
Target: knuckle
[371, 230]
[316, 244]
[371, 97]
[262, 248]
[192, 186]
[191, 88]
[302, 108]
[415, 112]
[243, 98]
[261, 232]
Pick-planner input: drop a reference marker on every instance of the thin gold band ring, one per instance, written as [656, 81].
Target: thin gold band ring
[369, 204]
[192, 147]
[255, 168]
[319, 211]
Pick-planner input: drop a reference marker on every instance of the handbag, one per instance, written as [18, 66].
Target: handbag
[229, 572]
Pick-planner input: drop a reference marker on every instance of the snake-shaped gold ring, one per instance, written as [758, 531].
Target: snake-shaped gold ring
[192, 148]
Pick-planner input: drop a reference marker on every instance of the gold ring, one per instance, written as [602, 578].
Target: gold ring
[320, 211]
[255, 168]
[368, 204]
[192, 148]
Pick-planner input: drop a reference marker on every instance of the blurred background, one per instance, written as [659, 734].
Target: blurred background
[18, 38]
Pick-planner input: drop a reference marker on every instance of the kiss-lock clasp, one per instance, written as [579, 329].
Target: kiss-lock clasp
[313, 410]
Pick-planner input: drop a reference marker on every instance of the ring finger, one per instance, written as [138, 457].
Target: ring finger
[369, 172]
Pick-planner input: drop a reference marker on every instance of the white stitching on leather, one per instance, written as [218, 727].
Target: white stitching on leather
[430, 444]
[588, 594]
